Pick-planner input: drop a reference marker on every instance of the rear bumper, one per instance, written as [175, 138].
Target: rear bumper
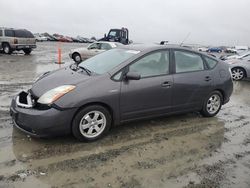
[41, 123]
[21, 47]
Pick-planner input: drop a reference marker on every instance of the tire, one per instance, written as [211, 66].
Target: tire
[6, 48]
[27, 51]
[85, 125]
[77, 58]
[212, 104]
[238, 73]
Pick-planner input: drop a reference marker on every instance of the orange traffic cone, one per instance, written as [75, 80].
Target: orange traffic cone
[59, 50]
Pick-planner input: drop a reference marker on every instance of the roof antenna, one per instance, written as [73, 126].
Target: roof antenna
[185, 38]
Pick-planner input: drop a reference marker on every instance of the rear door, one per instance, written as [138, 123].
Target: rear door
[151, 95]
[192, 80]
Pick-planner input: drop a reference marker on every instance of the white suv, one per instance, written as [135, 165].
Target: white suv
[16, 39]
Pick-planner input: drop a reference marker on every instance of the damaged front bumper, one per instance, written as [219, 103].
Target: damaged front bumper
[39, 122]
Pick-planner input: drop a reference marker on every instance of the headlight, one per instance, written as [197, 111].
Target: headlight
[52, 95]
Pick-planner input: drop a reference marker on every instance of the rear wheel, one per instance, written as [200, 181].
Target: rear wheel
[91, 123]
[27, 51]
[77, 58]
[7, 49]
[238, 73]
[212, 104]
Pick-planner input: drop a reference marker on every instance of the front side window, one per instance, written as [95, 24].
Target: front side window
[210, 62]
[95, 46]
[154, 64]
[187, 62]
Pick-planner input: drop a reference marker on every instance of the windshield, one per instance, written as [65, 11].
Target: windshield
[113, 34]
[106, 61]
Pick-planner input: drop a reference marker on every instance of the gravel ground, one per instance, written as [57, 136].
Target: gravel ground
[178, 151]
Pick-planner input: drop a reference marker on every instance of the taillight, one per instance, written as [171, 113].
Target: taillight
[15, 41]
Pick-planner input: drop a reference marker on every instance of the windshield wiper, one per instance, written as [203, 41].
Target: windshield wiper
[86, 70]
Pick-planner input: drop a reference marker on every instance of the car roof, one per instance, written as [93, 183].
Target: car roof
[12, 28]
[150, 47]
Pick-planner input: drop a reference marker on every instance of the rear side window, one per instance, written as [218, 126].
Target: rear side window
[1, 33]
[210, 62]
[188, 62]
[9, 33]
[23, 34]
[29, 34]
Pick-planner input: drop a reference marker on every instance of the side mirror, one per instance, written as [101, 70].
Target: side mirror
[105, 35]
[133, 76]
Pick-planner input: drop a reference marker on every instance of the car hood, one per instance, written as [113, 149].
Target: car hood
[64, 76]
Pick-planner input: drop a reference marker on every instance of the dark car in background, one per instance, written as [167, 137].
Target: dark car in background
[120, 85]
[16, 39]
[215, 49]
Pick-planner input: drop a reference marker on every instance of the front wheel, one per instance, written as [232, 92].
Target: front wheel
[212, 104]
[91, 123]
[7, 49]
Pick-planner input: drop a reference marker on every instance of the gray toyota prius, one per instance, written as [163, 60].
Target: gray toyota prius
[123, 84]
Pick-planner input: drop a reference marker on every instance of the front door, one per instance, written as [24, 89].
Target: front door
[151, 95]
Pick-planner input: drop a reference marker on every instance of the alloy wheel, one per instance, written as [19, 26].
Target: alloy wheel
[237, 74]
[92, 124]
[6, 49]
[213, 104]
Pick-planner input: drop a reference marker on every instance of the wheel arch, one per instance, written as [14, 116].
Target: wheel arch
[5, 42]
[222, 94]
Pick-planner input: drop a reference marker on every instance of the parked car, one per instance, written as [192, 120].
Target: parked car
[16, 39]
[231, 50]
[40, 38]
[240, 68]
[238, 56]
[215, 49]
[202, 49]
[81, 54]
[120, 85]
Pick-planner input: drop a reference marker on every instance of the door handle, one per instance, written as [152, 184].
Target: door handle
[166, 84]
[208, 78]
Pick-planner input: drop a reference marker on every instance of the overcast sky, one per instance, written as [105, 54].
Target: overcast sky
[215, 22]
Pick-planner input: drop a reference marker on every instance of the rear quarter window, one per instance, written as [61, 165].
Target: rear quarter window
[23, 34]
[211, 62]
